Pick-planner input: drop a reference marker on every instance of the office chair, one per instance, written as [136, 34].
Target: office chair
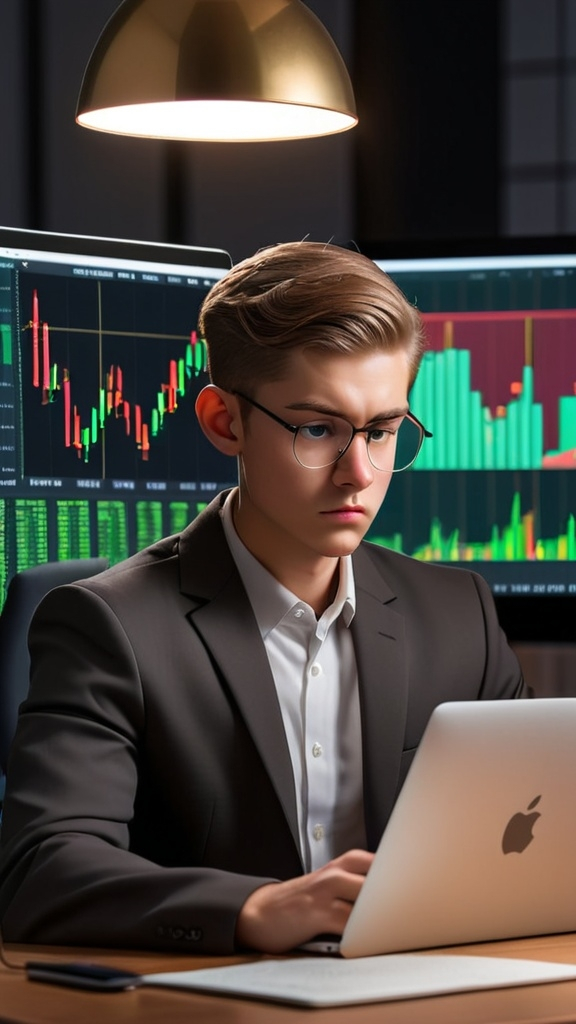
[25, 591]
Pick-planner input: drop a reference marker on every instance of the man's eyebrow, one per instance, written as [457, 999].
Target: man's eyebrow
[326, 410]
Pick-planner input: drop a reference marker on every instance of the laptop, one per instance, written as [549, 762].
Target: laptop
[481, 844]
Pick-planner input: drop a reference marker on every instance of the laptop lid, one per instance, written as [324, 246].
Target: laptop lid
[481, 844]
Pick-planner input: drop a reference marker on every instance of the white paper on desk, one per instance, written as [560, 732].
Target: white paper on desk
[316, 981]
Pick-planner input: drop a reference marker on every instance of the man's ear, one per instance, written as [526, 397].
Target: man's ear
[218, 414]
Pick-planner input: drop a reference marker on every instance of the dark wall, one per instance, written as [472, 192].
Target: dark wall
[427, 84]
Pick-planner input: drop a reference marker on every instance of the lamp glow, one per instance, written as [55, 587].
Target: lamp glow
[216, 70]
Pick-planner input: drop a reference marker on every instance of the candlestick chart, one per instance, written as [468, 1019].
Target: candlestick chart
[100, 450]
[109, 379]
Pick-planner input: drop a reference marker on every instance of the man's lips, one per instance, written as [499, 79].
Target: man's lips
[346, 512]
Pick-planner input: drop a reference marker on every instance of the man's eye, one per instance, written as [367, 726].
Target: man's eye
[379, 434]
[315, 432]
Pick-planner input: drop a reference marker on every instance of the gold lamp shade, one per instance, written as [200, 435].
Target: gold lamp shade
[216, 70]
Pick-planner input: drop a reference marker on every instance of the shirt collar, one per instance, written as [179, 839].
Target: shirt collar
[270, 600]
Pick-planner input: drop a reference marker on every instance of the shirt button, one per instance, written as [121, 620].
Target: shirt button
[299, 613]
[315, 670]
[317, 750]
[318, 832]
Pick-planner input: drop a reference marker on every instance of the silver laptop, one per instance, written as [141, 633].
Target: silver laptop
[481, 844]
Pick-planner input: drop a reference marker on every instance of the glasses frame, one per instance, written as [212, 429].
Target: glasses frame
[294, 430]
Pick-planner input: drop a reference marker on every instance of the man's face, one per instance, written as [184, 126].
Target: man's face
[292, 515]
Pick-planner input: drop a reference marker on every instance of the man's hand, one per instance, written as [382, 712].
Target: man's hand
[279, 916]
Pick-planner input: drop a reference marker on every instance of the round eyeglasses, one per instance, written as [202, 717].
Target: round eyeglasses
[392, 444]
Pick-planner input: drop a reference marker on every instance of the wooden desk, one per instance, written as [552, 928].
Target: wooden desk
[25, 1002]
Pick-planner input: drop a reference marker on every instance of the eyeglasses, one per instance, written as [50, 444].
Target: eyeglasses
[392, 445]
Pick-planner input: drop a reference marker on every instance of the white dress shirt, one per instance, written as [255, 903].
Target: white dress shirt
[315, 674]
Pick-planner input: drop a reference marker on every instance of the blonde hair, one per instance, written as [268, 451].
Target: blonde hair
[302, 294]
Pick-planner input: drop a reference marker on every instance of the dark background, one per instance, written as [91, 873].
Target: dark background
[466, 131]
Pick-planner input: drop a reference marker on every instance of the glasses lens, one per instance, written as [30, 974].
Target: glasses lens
[321, 443]
[408, 442]
[395, 451]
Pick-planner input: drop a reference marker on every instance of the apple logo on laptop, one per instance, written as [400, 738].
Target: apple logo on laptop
[518, 831]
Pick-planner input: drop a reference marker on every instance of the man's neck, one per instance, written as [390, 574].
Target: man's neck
[313, 579]
[316, 585]
[317, 589]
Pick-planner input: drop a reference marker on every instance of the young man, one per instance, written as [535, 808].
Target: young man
[218, 728]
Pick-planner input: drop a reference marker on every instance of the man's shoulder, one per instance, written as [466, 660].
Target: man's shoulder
[385, 557]
[169, 563]
[400, 570]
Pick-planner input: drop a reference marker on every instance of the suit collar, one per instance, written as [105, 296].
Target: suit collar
[204, 557]
[369, 577]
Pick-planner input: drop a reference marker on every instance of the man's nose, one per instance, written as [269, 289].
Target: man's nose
[354, 466]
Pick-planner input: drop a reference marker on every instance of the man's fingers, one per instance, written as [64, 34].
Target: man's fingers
[356, 861]
[281, 915]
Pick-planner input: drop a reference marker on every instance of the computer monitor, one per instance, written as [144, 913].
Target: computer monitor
[100, 364]
[495, 489]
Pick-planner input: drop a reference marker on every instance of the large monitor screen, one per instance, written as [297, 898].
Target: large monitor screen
[495, 487]
[100, 364]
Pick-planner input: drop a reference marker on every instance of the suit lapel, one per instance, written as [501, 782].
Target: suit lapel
[379, 642]
[223, 617]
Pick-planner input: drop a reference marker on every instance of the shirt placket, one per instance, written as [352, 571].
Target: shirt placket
[318, 753]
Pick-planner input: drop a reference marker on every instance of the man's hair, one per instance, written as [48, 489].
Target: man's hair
[303, 295]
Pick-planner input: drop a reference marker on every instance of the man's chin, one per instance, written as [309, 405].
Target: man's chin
[346, 544]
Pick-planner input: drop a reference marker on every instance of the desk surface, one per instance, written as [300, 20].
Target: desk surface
[25, 1002]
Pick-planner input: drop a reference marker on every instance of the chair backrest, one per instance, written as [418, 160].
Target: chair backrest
[25, 591]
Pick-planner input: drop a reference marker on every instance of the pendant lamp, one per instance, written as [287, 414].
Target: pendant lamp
[216, 70]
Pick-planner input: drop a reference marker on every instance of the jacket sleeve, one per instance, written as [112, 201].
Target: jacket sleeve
[71, 870]
[503, 675]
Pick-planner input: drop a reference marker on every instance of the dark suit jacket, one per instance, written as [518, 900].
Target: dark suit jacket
[150, 788]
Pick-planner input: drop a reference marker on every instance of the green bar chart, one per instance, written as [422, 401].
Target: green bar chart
[514, 541]
[5, 345]
[519, 418]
